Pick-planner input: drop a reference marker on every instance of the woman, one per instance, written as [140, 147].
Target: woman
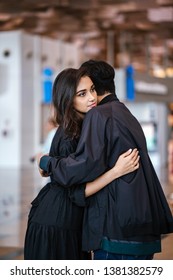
[55, 221]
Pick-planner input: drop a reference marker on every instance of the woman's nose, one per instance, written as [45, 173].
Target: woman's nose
[91, 97]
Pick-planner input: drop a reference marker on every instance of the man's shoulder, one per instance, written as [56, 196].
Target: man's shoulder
[105, 106]
[102, 111]
[93, 112]
[95, 116]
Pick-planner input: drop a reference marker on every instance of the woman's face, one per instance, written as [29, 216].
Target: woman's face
[86, 97]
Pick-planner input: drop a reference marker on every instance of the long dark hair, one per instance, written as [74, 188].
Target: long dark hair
[64, 90]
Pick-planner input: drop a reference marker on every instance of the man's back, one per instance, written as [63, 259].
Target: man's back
[123, 210]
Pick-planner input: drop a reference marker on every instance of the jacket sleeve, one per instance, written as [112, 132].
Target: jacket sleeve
[77, 194]
[88, 162]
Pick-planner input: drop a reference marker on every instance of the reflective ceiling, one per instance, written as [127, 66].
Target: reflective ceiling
[131, 26]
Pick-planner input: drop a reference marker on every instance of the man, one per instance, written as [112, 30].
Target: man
[126, 219]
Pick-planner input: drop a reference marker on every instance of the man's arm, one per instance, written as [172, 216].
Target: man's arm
[89, 160]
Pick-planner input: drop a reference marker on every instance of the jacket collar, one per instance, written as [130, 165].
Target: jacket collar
[109, 98]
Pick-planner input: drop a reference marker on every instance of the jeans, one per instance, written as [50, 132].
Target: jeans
[104, 255]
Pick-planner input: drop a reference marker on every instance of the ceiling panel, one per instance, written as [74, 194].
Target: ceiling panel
[89, 22]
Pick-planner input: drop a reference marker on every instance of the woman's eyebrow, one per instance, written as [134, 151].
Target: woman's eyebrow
[80, 90]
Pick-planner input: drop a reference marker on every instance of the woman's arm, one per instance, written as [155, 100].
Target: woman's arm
[126, 163]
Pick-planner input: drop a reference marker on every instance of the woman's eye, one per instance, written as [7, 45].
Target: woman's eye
[82, 94]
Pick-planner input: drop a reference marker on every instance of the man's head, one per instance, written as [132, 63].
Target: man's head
[102, 74]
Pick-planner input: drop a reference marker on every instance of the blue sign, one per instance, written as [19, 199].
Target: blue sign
[130, 87]
[47, 84]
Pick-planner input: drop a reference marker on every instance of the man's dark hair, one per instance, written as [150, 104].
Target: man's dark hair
[101, 73]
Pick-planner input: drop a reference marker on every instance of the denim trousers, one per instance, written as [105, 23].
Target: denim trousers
[104, 255]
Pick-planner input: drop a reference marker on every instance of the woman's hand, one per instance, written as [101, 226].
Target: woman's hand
[127, 162]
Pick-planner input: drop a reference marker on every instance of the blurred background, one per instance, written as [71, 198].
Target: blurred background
[40, 38]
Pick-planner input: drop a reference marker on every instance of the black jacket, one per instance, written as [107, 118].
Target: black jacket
[133, 205]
